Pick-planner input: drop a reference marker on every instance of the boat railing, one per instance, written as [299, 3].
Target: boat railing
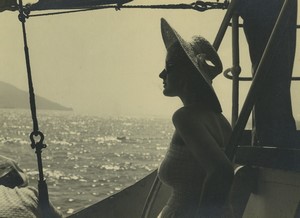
[233, 73]
[239, 120]
[239, 148]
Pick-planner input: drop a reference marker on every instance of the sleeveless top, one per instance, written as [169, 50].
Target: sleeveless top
[181, 171]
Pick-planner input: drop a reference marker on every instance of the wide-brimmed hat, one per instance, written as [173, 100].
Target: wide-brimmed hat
[199, 51]
[11, 175]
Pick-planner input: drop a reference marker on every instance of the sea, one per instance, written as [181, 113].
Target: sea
[87, 158]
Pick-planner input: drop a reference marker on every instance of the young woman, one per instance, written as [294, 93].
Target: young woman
[195, 165]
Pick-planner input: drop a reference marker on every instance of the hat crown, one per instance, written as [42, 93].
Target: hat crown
[204, 53]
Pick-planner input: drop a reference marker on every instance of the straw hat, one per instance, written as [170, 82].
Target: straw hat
[10, 173]
[199, 51]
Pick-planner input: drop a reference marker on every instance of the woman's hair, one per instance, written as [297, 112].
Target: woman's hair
[196, 85]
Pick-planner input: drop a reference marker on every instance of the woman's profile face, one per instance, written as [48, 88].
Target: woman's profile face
[174, 75]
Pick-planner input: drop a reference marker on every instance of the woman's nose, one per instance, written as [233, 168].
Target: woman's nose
[163, 74]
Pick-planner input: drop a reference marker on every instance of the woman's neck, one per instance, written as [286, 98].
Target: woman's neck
[192, 100]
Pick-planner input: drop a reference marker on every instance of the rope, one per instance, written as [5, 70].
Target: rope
[198, 6]
[36, 136]
[22, 17]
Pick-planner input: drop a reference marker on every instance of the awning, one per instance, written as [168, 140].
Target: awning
[8, 5]
[60, 4]
[73, 4]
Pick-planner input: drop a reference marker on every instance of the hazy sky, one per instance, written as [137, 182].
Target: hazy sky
[107, 61]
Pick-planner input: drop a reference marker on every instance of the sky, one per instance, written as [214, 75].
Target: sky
[106, 62]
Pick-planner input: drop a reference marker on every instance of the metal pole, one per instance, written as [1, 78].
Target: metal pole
[151, 198]
[236, 69]
[225, 24]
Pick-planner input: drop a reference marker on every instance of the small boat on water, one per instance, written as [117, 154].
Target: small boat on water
[267, 178]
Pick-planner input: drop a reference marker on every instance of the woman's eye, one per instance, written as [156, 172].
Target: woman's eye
[169, 66]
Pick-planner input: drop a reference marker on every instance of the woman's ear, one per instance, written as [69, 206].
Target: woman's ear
[190, 84]
[186, 88]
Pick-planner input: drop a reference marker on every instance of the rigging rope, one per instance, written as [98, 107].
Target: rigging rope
[36, 136]
[198, 6]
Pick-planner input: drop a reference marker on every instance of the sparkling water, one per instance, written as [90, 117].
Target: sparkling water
[87, 158]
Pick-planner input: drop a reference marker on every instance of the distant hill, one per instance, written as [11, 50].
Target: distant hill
[12, 97]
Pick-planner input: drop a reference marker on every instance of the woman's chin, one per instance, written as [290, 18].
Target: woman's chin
[168, 93]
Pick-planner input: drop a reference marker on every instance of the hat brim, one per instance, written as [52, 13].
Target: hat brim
[170, 36]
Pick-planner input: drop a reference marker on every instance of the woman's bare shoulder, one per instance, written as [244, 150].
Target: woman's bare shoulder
[190, 115]
[201, 125]
[193, 113]
[182, 114]
[193, 116]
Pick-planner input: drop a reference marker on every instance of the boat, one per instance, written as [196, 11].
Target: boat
[267, 179]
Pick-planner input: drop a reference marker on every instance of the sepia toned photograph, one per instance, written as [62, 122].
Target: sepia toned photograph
[149, 109]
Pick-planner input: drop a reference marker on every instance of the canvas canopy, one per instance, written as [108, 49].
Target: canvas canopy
[59, 4]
